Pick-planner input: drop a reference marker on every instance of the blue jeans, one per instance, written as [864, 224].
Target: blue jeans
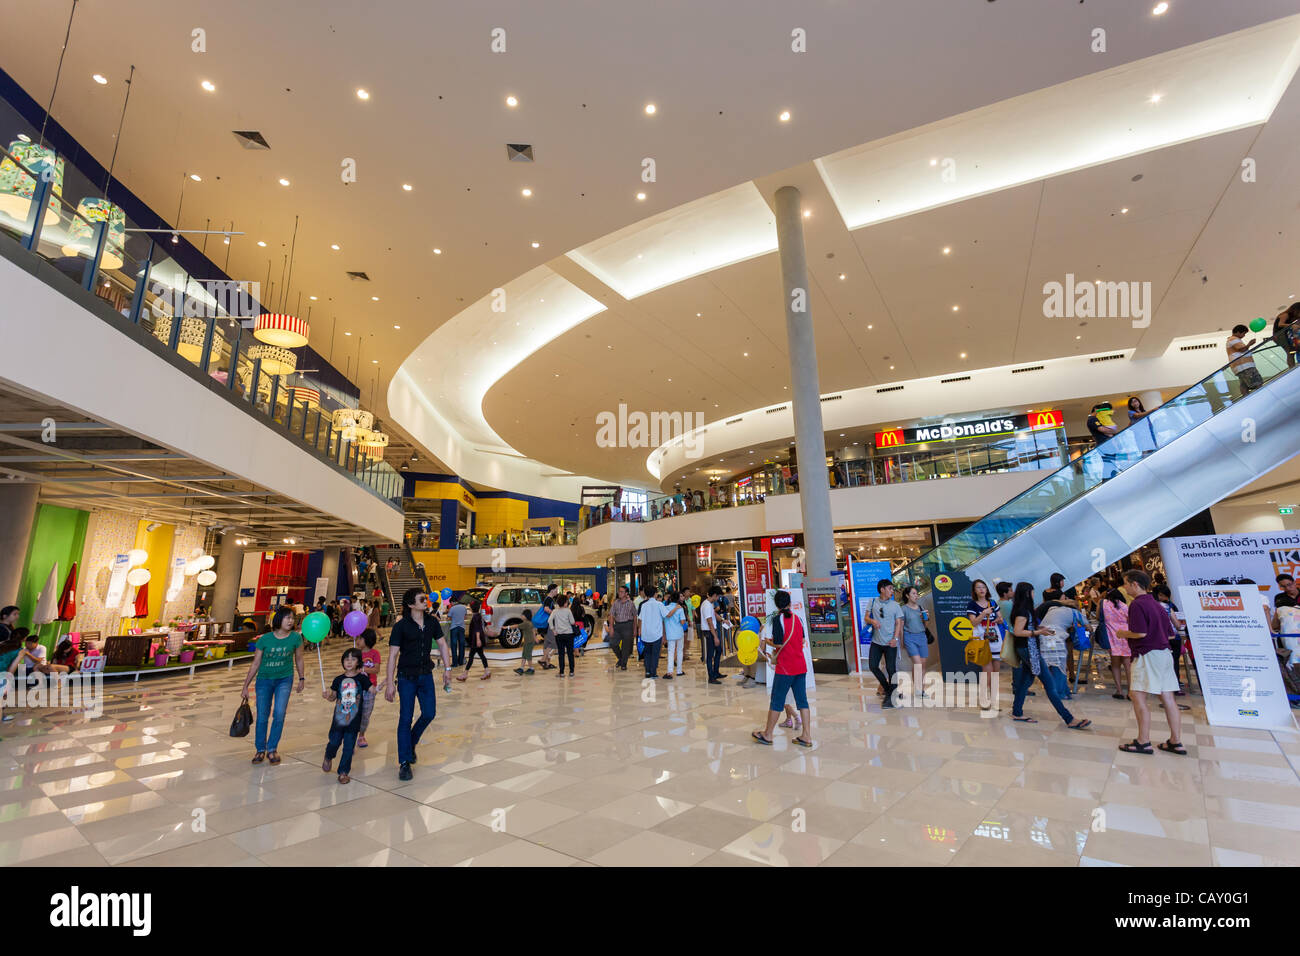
[408, 690]
[1023, 679]
[457, 647]
[348, 738]
[277, 689]
[713, 655]
[651, 657]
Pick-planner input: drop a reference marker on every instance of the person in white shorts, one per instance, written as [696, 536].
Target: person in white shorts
[1152, 670]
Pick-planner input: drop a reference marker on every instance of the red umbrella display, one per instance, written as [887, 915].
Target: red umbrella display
[142, 601]
[68, 600]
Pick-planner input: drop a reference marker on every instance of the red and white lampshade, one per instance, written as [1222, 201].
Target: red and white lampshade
[301, 394]
[286, 331]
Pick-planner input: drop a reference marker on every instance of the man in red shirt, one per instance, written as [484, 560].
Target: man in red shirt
[1152, 670]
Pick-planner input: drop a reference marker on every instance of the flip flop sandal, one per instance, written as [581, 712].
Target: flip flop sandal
[1183, 707]
[259, 756]
[1170, 747]
[761, 739]
[787, 723]
[326, 766]
[344, 778]
[803, 743]
[1025, 720]
[1081, 725]
[1119, 696]
[273, 756]
[1133, 747]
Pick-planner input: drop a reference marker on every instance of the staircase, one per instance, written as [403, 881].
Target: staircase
[405, 575]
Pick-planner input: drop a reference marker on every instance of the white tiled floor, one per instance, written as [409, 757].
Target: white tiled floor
[596, 770]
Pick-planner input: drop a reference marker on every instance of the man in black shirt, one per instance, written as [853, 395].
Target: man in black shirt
[1102, 427]
[409, 648]
[1289, 596]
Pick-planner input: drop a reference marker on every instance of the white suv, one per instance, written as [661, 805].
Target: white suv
[504, 607]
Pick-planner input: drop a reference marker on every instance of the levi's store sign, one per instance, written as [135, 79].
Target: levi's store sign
[1030, 421]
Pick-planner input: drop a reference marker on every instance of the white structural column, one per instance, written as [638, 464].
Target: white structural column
[805, 393]
[230, 565]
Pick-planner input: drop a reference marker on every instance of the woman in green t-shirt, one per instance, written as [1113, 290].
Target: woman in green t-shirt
[278, 654]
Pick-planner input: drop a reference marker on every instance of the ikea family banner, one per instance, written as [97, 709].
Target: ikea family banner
[1251, 559]
[754, 574]
[1235, 659]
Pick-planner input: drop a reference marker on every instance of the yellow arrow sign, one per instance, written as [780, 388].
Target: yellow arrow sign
[960, 628]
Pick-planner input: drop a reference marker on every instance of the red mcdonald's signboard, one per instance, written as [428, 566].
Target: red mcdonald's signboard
[1046, 419]
[890, 438]
[977, 428]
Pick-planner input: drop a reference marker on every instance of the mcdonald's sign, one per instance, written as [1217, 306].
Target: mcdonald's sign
[1031, 421]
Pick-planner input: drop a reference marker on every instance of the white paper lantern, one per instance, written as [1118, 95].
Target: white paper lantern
[138, 576]
[207, 578]
[136, 557]
[205, 562]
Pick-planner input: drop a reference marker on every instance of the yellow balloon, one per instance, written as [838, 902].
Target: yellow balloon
[695, 601]
[747, 647]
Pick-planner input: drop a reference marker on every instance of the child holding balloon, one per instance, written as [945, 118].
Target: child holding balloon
[371, 662]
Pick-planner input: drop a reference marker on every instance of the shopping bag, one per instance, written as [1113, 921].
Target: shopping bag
[243, 720]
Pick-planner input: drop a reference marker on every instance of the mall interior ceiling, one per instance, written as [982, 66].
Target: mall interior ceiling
[393, 151]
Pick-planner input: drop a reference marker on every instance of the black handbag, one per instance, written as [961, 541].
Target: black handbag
[239, 727]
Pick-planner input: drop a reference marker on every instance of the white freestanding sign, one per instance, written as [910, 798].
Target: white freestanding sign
[1235, 660]
[117, 581]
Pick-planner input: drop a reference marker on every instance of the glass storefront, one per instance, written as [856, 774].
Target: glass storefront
[898, 546]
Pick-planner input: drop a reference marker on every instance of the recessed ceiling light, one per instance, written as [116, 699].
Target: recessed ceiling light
[537, 245]
[208, 85]
[934, 162]
[407, 186]
[511, 101]
[956, 307]
[843, 277]
[397, 326]
[334, 246]
[871, 326]
[526, 191]
[1077, 337]
[963, 354]
[640, 197]
[283, 181]
[699, 314]
[437, 252]
[1124, 211]
[261, 243]
[374, 298]
[785, 116]
[312, 297]
[374, 361]
[1159, 8]
[363, 94]
[891, 368]
[196, 177]
[347, 333]
[100, 79]
[947, 250]
[650, 109]
[1156, 97]
[746, 355]
[226, 241]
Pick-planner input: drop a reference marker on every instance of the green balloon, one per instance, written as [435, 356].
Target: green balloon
[1258, 325]
[315, 627]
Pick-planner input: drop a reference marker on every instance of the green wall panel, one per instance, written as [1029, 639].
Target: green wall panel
[58, 535]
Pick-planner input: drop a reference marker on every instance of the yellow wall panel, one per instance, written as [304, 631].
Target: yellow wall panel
[443, 570]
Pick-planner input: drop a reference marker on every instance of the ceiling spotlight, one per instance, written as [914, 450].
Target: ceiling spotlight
[100, 79]
[283, 181]
[807, 213]
[947, 250]
[649, 109]
[437, 252]
[363, 95]
[1124, 211]
[195, 177]
[963, 354]
[785, 116]
[407, 186]
[526, 191]
[374, 361]
[746, 355]
[640, 197]
[312, 297]
[226, 240]
[934, 161]
[1077, 337]
[1159, 8]
[891, 368]
[1155, 97]
[261, 243]
[511, 101]
[956, 307]
[870, 326]
[334, 246]
[347, 333]
[843, 277]
[537, 245]
[208, 85]
[397, 326]
[374, 298]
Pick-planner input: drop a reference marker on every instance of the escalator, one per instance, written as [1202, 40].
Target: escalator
[1183, 457]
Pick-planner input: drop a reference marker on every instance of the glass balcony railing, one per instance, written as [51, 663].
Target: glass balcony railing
[53, 210]
[1160, 427]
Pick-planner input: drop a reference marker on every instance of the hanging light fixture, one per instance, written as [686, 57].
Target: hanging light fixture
[303, 394]
[17, 186]
[373, 444]
[355, 423]
[189, 345]
[275, 360]
[286, 331]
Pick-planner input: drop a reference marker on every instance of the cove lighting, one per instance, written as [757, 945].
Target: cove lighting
[1226, 83]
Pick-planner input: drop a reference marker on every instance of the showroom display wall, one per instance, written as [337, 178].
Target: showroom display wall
[58, 535]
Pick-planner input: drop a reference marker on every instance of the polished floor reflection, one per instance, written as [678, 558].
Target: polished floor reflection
[595, 770]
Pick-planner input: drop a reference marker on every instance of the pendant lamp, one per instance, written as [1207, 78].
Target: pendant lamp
[286, 331]
[17, 187]
[275, 360]
[310, 396]
[190, 343]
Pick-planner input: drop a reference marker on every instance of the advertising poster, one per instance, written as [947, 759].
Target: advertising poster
[321, 591]
[1235, 659]
[754, 573]
[117, 580]
[951, 592]
[178, 579]
[862, 578]
[1254, 559]
[798, 605]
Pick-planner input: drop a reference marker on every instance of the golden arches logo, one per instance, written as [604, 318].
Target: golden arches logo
[1050, 419]
[889, 439]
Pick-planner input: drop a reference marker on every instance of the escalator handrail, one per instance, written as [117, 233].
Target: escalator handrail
[904, 574]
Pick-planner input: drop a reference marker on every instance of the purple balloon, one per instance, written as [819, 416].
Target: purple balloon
[355, 623]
